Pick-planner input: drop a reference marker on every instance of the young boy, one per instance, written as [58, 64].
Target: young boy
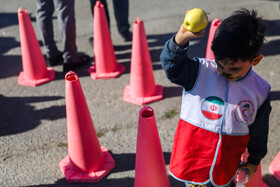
[225, 104]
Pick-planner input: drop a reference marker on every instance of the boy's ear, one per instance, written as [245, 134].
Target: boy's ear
[257, 60]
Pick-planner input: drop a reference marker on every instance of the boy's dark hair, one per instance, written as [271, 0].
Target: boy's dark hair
[239, 36]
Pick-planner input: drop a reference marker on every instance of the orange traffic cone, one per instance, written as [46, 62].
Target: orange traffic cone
[150, 170]
[274, 167]
[86, 160]
[256, 179]
[142, 88]
[214, 25]
[35, 71]
[106, 65]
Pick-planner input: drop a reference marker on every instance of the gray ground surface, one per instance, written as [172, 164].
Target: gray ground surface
[33, 120]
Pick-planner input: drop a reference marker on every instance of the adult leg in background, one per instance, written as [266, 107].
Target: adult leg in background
[45, 9]
[66, 22]
[121, 10]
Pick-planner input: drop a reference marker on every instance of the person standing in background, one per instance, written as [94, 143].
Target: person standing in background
[121, 10]
[66, 22]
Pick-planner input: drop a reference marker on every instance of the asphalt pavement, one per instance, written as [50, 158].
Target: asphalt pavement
[33, 133]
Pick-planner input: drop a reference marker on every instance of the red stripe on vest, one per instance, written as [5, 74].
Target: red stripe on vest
[231, 150]
[194, 150]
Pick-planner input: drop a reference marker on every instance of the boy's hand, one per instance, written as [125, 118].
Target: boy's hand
[252, 168]
[183, 35]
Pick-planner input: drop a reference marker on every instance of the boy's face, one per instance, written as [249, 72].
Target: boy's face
[237, 70]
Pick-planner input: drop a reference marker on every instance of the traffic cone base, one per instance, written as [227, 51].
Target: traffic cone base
[73, 174]
[110, 75]
[128, 97]
[274, 167]
[87, 161]
[106, 65]
[22, 80]
[35, 71]
[142, 88]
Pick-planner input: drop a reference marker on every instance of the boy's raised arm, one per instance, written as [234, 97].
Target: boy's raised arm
[178, 67]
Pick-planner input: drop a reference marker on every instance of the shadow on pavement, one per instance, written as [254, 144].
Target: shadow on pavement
[271, 181]
[124, 162]
[173, 91]
[272, 47]
[8, 19]
[7, 43]
[120, 182]
[10, 65]
[198, 48]
[272, 28]
[17, 115]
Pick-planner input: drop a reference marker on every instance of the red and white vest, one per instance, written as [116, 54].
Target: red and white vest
[213, 129]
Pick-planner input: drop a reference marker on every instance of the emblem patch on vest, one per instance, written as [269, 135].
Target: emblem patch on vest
[213, 107]
[244, 111]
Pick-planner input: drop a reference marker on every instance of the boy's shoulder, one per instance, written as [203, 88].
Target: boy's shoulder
[261, 82]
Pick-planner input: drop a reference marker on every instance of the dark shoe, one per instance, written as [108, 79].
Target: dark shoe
[127, 36]
[73, 65]
[56, 60]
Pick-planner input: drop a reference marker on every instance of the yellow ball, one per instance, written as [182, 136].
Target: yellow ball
[196, 20]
